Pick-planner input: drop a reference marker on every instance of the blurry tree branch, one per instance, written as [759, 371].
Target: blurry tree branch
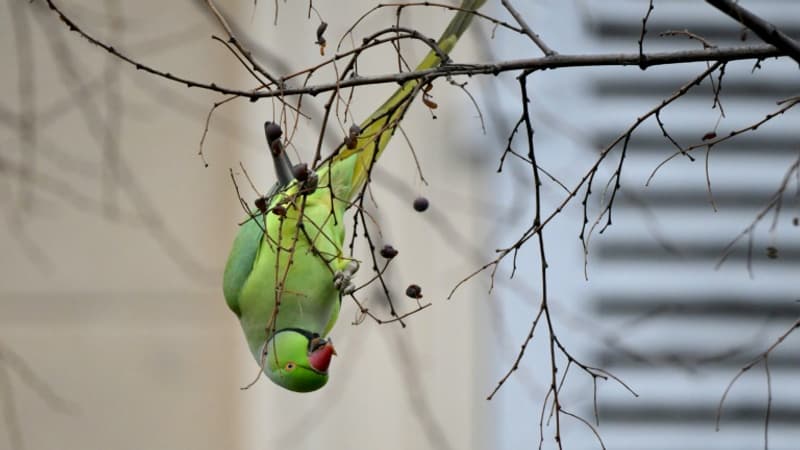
[765, 30]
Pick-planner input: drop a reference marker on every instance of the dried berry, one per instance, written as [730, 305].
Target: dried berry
[427, 99]
[414, 291]
[301, 172]
[709, 135]
[421, 204]
[261, 204]
[772, 252]
[388, 252]
[279, 210]
[321, 38]
[321, 32]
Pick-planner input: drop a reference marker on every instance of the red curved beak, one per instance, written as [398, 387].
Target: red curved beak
[320, 358]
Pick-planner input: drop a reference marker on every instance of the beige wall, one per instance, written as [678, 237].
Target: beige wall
[113, 249]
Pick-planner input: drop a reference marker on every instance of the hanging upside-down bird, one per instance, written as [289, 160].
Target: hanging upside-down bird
[286, 271]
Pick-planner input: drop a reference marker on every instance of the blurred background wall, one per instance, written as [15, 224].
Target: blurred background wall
[113, 330]
[115, 236]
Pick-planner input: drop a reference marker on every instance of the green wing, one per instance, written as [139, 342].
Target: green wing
[240, 261]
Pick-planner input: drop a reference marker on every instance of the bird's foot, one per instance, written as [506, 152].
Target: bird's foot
[343, 279]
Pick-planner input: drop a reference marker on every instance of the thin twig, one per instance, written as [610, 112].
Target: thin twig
[706, 43]
[762, 357]
[773, 203]
[246, 53]
[643, 32]
[527, 29]
[591, 427]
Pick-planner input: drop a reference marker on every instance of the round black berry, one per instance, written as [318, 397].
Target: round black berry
[421, 204]
[279, 210]
[414, 291]
[301, 172]
[388, 252]
[261, 204]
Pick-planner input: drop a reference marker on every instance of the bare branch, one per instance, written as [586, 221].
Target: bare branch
[527, 29]
[764, 356]
[774, 203]
[246, 53]
[533, 64]
[765, 30]
[587, 179]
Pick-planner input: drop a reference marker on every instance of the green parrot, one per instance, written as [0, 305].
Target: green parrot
[287, 271]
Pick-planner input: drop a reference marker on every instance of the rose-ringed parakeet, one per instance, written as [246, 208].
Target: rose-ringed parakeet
[286, 271]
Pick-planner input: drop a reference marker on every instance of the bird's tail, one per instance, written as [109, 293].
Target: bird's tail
[355, 161]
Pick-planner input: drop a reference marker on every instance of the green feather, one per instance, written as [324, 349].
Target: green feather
[240, 262]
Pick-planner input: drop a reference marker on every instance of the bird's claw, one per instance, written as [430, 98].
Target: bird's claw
[343, 279]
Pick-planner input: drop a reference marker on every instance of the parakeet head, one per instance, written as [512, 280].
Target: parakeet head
[298, 360]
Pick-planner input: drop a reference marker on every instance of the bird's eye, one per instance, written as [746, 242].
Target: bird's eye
[289, 366]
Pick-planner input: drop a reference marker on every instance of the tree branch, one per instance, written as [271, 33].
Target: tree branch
[765, 30]
[527, 30]
[535, 64]
[239, 46]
